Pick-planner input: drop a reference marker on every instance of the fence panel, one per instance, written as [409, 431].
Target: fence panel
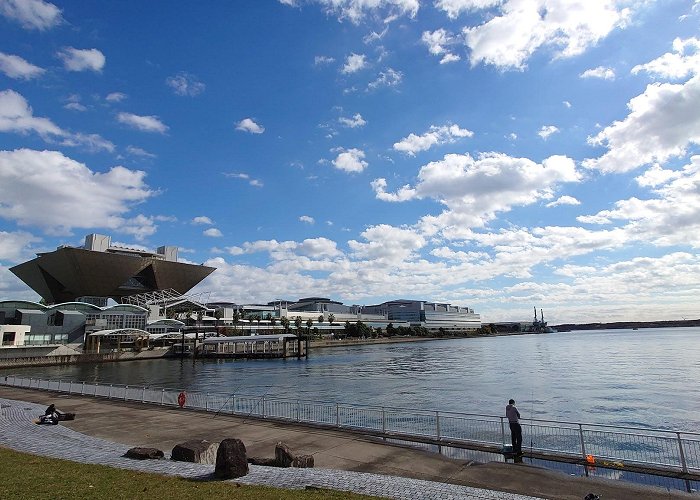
[419, 423]
[642, 448]
[473, 429]
[356, 417]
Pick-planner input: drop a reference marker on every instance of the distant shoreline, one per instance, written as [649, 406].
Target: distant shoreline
[620, 325]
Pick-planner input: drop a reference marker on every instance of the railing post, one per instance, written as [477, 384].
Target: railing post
[126, 389]
[437, 430]
[684, 464]
[82, 389]
[206, 401]
[109, 393]
[503, 432]
[263, 406]
[583, 443]
[162, 397]
[383, 421]
[298, 409]
[70, 386]
[233, 403]
[337, 415]
[143, 395]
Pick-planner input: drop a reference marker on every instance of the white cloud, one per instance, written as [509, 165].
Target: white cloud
[563, 200]
[202, 219]
[385, 243]
[212, 232]
[435, 136]
[14, 245]
[374, 36]
[248, 125]
[355, 10]
[306, 219]
[661, 124]
[566, 104]
[511, 36]
[453, 8]
[17, 116]
[115, 97]
[143, 123]
[350, 160]
[31, 14]
[185, 84]
[246, 177]
[437, 42]
[354, 122]
[388, 78]
[136, 151]
[82, 59]
[75, 106]
[16, 67]
[47, 189]
[547, 130]
[599, 72]
[354, 63]
[474, 190]
[323, 60]
[684, 61]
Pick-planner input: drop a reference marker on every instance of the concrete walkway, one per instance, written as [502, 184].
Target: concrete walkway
[104, 429]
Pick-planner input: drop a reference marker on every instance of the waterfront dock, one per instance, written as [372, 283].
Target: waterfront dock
[334, 451]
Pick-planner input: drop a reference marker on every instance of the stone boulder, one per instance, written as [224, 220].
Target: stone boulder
[198, 451]
[303, 461]
[231, 459]
[283, 455]
[140, 453]
[268, 462]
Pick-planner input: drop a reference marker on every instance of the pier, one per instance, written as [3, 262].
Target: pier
[285, 345]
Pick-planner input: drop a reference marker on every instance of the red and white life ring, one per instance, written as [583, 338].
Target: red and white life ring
[181, 399]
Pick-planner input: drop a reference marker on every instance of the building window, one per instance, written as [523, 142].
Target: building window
[8, 338]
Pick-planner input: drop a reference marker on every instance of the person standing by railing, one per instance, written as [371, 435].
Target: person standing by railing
[516, 432]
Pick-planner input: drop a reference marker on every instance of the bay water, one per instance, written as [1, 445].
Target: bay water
[646, 378]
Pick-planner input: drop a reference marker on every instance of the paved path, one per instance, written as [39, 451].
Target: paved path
[19, 432]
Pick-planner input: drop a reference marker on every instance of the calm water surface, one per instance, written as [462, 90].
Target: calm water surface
[647, 377]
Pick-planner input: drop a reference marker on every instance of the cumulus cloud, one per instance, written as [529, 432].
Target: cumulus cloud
[513, 34]
[185, 84]
[354, 63]
[350, 160]
[387, 243]
[115, 97]
[435, 136]
[563, 200]
[47, 189]
[307, 219]
[661, 124]
[17, 116]
[356, 10]
[249, 125]
[454, 8]
[202, 219]
[473, 190]
[547, 130]
[388, 78]
[14, 245]
[437, 42]
[144, 123]
[31, 14]
[682, 62]
[17, 68]
[82, 59]
[212, 232]
[323, 60]
[599, 72]
[354, 122]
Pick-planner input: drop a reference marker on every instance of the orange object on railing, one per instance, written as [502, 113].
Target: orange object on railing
[590, 459]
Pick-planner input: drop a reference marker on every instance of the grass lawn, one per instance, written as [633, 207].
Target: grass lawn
[29, 476]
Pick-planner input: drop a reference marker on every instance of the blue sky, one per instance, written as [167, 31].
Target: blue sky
[496, 154]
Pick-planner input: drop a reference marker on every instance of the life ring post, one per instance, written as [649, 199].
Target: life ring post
[181, 399]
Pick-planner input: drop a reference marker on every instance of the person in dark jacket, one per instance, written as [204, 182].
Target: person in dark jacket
[50, 410]
[516, 432]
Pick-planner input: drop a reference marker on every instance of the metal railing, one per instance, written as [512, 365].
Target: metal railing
[668, 452]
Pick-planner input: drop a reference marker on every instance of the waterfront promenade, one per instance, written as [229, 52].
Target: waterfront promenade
[104, 429]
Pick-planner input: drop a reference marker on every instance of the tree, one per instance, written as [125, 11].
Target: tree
[284, 321]
[236, 318]
[390, 330]
[273, 322]
[297, 323]
[309, 324]
[331, 318]
[257, 320]
[217, 315]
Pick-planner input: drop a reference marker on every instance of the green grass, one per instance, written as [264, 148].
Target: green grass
[33, 477]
